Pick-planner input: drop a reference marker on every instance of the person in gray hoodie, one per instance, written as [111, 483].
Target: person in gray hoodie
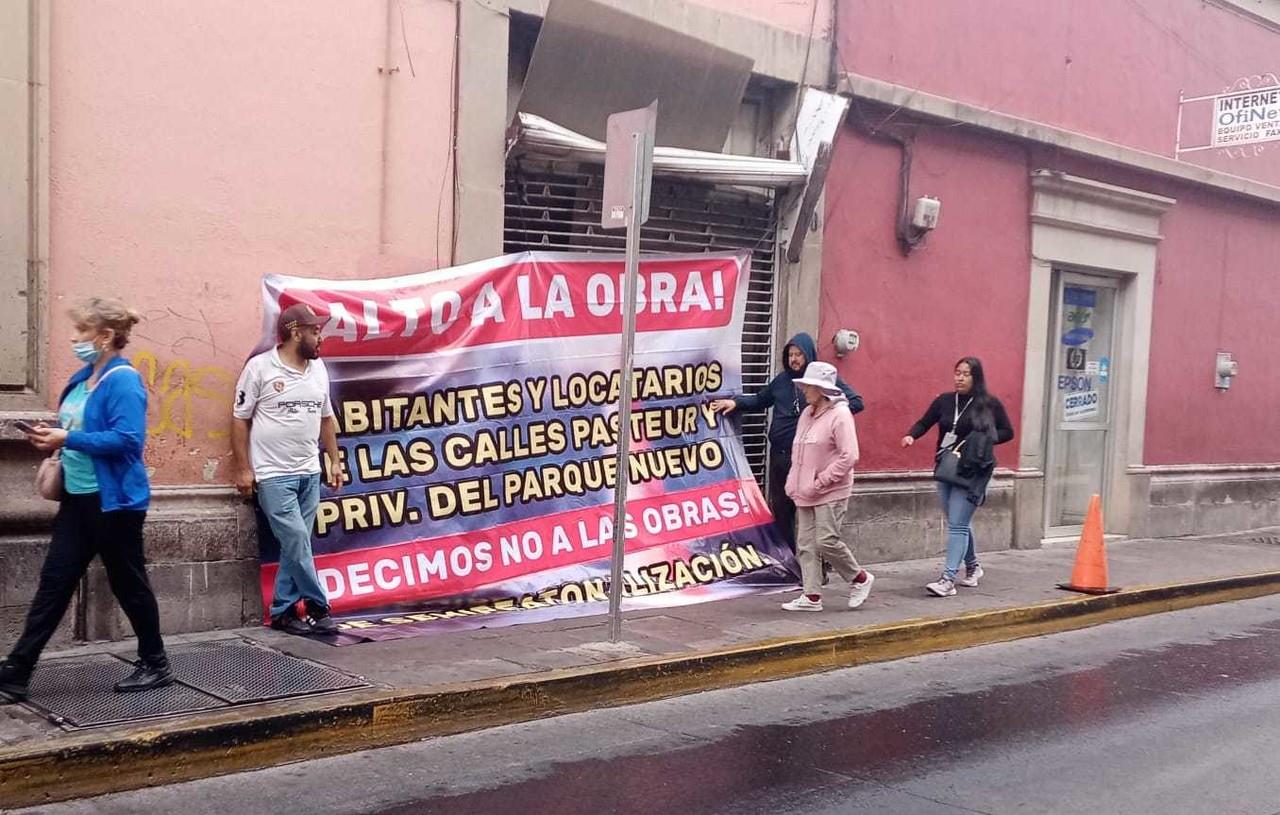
[787, 402]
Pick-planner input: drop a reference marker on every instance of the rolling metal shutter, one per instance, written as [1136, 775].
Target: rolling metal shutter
[555, 206]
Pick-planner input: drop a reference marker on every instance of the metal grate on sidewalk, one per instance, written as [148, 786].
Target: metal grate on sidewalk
[76, 692]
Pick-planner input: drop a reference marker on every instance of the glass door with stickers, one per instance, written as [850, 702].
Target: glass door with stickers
[1080, 406]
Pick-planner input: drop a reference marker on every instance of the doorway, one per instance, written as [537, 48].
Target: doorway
[1080, 401]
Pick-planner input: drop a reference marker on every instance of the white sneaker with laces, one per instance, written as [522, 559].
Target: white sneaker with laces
[858, 591]
[942, 588]
[971, 578]
[803, 603]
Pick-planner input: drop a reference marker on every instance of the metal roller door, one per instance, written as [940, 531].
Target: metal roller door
[555, 206]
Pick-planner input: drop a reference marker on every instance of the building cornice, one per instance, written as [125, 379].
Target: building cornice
[951, 110]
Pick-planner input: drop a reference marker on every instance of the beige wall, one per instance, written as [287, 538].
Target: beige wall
[796, 16]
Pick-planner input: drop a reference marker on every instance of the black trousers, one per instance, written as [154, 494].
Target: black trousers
[82, 530]
[782, 507]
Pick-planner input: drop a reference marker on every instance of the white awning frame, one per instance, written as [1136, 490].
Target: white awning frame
[533, 135]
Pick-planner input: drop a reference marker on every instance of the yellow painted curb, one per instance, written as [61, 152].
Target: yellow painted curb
[82, 765]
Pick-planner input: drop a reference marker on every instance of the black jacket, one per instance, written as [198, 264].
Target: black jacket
[784, 397]
[942, 413]
[977, 456]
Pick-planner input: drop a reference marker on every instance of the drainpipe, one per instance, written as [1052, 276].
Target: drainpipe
[908, 236]
[833, 63]
[386, 71]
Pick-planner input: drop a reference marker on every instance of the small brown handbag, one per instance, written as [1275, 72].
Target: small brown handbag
[49, 477]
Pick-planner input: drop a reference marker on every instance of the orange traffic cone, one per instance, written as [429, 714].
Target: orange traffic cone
[1090, 573]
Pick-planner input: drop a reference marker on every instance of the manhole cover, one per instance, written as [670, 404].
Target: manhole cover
[77, 692]
[240, 673]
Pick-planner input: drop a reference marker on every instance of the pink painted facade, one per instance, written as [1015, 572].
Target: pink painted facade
[1217, 288]
[190, 149]
[963, 295]
[1108, 69]
[184, 165]
[196, 148]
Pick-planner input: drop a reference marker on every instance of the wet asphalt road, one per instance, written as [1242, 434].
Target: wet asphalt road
[1174, 713]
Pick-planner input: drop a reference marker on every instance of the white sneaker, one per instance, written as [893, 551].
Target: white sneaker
[942, 588]
[803, 603]
[971, 578]
[858, 591]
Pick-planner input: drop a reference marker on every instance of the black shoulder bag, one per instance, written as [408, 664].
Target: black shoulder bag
[947, 467]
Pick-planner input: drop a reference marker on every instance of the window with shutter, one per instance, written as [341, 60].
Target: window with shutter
[555, 207]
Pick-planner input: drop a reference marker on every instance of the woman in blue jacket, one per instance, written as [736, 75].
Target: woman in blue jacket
[103, 424]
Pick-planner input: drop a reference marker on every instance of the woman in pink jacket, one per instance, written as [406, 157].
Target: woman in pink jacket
[820, 482]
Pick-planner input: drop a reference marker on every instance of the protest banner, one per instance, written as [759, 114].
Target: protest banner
[477, 408]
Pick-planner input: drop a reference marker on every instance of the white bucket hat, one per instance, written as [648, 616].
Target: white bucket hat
[823, 375]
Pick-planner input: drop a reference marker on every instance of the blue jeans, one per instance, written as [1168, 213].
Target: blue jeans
[290, 503]
[959, 511]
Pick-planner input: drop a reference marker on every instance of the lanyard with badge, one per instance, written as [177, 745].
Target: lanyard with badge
[950, 438]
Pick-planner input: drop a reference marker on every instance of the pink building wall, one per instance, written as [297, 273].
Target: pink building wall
[1109, 70]
[1216, 290]
[195, 148]
[963, 293]
[1105, 68]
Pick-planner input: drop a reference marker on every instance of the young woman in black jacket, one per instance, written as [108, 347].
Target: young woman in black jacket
[971, 415]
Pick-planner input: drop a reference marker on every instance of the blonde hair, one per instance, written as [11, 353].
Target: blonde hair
[107, 312]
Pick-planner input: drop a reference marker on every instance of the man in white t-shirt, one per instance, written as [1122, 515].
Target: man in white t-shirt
[281, 409]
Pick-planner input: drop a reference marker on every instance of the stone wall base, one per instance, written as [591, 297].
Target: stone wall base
[202, 558]
[203, 553]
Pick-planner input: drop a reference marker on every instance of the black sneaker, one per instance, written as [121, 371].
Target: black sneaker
[13, 682]
[147, 674]
[290, 624]
[320, 619]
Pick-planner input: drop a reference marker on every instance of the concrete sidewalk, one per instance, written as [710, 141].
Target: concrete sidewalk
[456, 681]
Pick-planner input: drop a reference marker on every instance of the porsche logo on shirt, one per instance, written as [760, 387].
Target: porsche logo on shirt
[298, 405]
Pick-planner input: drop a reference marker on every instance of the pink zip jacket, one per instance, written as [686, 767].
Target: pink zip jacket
[822, 457]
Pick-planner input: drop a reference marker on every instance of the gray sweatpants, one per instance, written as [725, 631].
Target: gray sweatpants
[818, 539]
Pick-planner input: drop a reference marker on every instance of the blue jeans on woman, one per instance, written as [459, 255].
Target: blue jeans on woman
[290, 503]
[959, 511]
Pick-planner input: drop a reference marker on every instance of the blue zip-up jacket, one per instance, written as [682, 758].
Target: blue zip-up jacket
[115, 430]
[782, 395]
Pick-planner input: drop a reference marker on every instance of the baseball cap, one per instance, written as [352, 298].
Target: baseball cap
[298, 314]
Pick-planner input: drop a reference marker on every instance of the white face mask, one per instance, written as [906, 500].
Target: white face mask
[86, 351]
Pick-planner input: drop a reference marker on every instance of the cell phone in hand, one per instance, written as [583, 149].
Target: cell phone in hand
[25, 427]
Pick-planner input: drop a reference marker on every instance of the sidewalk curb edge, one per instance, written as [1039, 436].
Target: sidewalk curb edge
[234, 741]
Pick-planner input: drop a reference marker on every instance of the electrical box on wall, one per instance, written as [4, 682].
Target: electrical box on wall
[1225, 370]
[926, 214]
[846, 341]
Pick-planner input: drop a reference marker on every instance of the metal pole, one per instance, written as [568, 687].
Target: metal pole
[1177, 139]
[624, 395]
